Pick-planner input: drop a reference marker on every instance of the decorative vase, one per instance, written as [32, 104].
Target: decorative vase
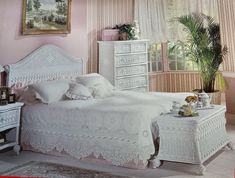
[136, 30]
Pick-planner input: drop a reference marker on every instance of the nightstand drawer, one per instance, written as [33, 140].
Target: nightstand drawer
[123, 60]
[133, 70]
[9, 118]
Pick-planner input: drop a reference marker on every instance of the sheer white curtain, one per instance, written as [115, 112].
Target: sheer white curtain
[151, 16]
[156, 16]
[177, 8]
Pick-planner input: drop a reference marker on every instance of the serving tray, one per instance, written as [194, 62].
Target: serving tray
[203, 108]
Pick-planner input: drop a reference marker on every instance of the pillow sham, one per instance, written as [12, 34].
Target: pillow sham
[97, 84]
[78, 91]
[50, 91]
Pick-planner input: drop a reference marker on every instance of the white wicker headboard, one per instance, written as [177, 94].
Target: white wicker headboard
[48, 62]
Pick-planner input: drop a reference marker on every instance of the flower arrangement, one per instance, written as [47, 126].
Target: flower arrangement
[187, 111]
[191, 99]
[126, 32]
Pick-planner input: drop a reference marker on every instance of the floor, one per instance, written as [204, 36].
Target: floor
[222, 165]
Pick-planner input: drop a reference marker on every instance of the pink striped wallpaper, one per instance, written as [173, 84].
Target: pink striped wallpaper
[102, 14]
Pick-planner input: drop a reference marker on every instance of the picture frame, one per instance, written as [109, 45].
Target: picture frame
[46, 17]
[4, 92]
[11, 98]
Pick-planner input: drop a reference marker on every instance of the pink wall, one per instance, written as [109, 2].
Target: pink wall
[14, 46]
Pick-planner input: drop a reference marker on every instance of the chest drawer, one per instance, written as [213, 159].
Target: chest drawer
[132, 70]
[138, 47]
[131, 82]
[8, 118]
[125, 63]
[122, 48]
[130, 48]
[123, 60]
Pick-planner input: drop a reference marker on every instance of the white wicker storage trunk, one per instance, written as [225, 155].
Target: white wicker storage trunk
[192, 139]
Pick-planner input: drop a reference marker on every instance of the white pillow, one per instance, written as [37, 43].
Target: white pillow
[97, 84]
[100, 91]
[78, 92]
[51, 91]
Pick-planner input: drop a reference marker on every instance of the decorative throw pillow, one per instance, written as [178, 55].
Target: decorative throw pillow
[26, 95]
[97, 84]
[78, 91]
[51, 91]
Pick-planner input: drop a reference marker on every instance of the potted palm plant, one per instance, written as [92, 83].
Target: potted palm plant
[203, 46]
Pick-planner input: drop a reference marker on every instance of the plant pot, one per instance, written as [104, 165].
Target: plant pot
[123, 36]
[215, 97]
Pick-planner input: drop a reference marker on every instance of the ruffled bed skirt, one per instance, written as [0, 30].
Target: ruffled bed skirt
[119, 154]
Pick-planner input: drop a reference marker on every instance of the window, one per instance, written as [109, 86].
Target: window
[155, 59]
[160, 54]
[178, 60]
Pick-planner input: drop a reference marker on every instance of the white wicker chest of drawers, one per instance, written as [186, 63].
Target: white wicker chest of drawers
[192, 139]
[10, 119]
[125, 63]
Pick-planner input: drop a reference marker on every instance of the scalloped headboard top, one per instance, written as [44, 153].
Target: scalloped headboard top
[48, 62]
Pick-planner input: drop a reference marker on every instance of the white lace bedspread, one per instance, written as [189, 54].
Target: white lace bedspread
[117, 128]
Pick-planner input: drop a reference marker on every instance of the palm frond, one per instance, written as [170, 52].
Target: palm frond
[203, 45]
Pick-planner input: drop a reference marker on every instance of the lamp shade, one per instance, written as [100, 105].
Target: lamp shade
[1, 69]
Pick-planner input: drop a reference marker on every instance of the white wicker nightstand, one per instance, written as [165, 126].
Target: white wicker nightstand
[192, 139]
[10, 119]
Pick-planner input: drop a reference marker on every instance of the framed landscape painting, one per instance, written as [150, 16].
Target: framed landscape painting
[46, 16]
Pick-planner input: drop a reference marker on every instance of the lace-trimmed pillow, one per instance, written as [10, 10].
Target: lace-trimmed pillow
[99, 86]
[78, 92]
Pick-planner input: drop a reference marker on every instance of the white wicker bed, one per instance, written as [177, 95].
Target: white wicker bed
[127, 143]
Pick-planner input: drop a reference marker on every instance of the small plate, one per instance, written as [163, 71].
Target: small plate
[186, 116]
[204, 108]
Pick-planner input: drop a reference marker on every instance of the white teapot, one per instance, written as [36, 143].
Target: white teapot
[204, 99]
